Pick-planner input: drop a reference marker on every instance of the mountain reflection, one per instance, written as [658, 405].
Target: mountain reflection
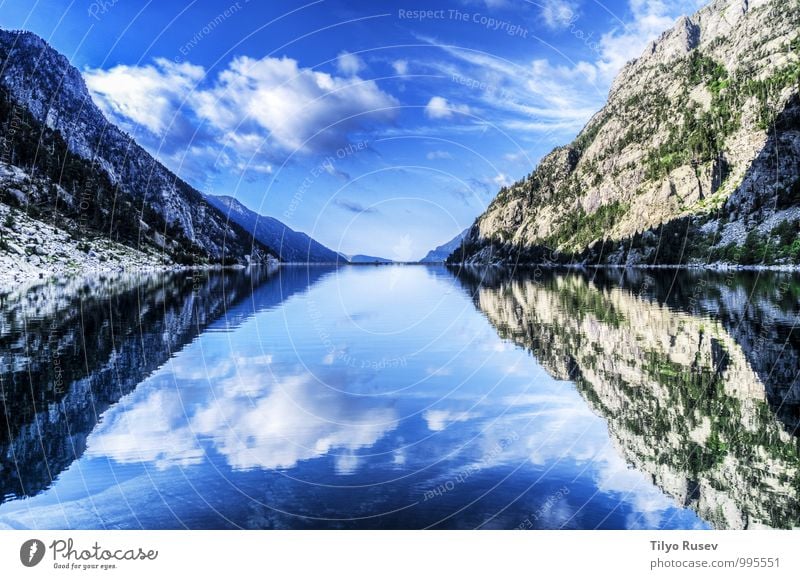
[71, 350]
[365, 397]
[695, 375]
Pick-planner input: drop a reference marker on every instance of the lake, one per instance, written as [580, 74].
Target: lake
[402, 397]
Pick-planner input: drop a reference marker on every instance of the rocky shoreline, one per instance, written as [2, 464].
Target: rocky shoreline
[33, 252]
[791, 268]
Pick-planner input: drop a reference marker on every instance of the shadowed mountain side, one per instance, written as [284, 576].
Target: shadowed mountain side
[682, 401]
[290, 246]
[73, 351]
[64, 163]
[440, 253]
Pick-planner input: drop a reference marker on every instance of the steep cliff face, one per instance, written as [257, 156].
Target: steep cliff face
[684, 400]
[697, 147]
[63, 163]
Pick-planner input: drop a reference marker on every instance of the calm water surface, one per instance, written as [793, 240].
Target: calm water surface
[402, 397]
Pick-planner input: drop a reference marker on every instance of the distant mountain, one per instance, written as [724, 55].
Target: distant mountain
[440, 254]
[65, 164]
[368, 259]
[290, 246]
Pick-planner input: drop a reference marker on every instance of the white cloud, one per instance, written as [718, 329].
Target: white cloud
[263, 107]
[251, 417]
[553, 97]
[288, 421]
[438, 420]
[561, 88]
[264, 168]
[433, 155]
[150, 430]
[148, 95]
[491, 4]
[440, 108]
[502, 180]
[400, 67]
[558, 13]
[517, 156]
[349, 64]
[298, 108]
[535, 97]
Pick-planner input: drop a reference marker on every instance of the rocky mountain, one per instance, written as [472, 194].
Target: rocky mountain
[695, 157]
[64, 164]
[291, 246]
[708, 407]
[440, 254]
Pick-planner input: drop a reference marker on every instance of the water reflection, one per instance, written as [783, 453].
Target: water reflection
[248, 414]
[366, 397]
[689, 370]
[72, 349]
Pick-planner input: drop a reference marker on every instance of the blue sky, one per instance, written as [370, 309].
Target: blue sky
[376, 127]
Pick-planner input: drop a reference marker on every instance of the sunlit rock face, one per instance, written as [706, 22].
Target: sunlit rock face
[685, 394]
[701, 131]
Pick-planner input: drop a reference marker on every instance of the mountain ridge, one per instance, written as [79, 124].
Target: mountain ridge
[440, 253]
[291, 246]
